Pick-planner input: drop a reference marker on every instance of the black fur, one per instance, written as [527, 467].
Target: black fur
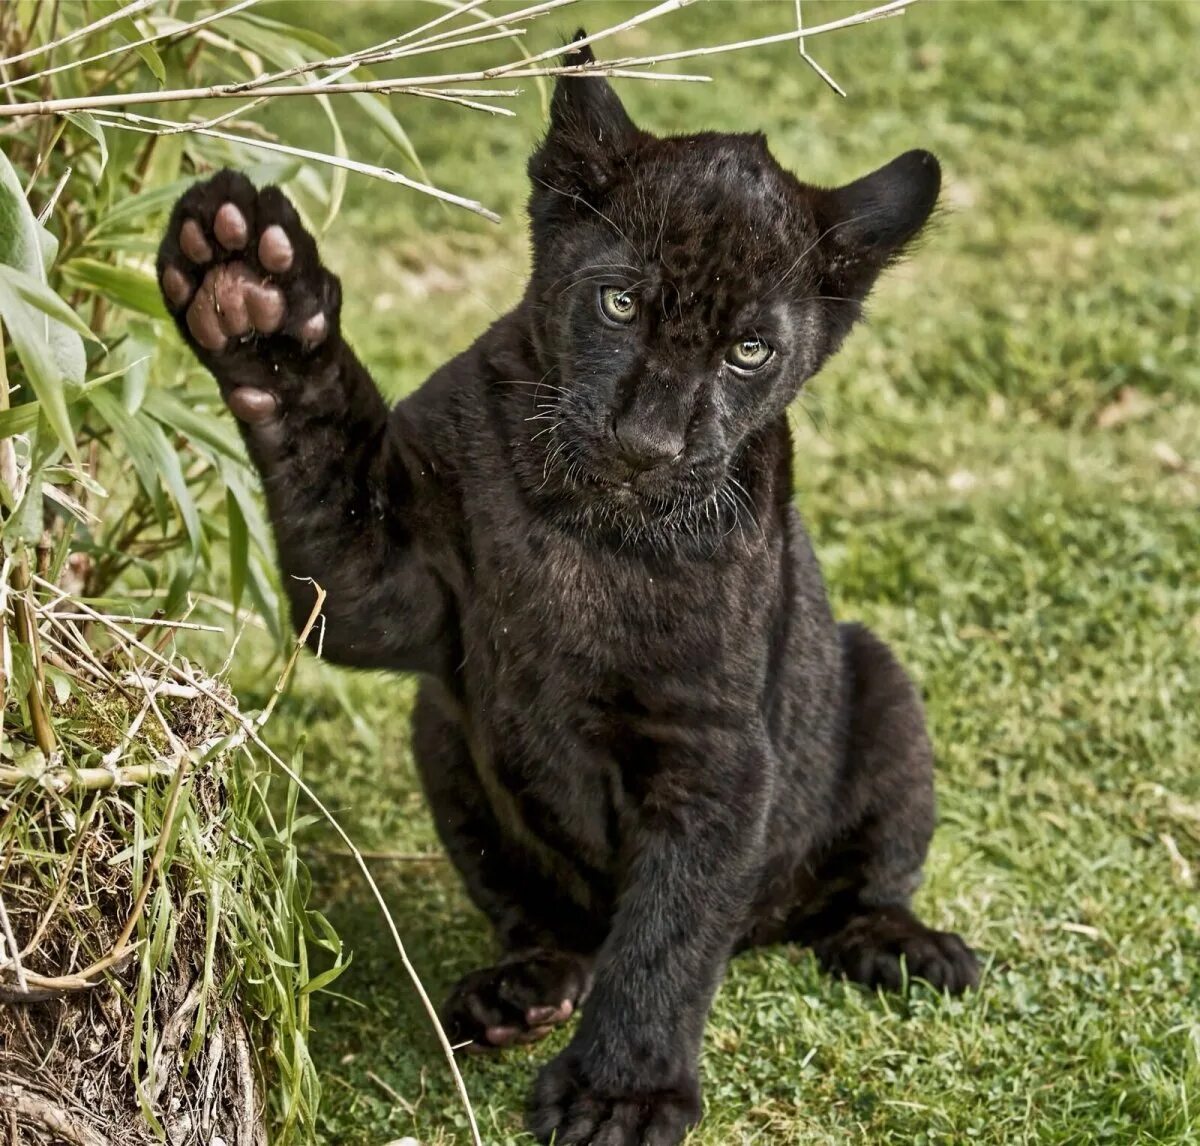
[645, 740]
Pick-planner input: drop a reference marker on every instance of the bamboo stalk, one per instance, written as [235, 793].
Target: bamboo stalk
[122, 49]
[61, 780]
[129, 10]
[618, 69]
[27, 634]
[385, 173]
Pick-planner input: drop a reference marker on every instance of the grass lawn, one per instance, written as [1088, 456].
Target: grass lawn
[1001, 474]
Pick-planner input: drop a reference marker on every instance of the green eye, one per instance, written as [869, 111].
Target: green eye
[618, 305]
[749, 354]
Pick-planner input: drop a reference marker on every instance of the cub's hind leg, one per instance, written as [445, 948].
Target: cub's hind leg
[857, 915]
[546, 940]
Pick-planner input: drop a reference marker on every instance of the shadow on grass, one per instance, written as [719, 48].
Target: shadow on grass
[372, 1022]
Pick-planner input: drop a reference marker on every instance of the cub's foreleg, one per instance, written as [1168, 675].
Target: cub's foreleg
[245, 284]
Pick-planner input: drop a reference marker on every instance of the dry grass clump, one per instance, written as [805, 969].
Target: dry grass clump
[154, 971]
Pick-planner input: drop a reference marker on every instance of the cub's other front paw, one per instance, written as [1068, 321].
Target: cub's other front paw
[246, 286]
[870, 948]
[569, 1105]
[520, 1000]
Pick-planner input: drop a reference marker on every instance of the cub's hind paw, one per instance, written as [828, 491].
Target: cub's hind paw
[245, 283]
[878, 947]
[520, 1000]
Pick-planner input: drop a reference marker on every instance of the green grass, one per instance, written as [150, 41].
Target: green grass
[1036, 570]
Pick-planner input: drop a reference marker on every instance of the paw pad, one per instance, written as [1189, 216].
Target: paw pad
[243, 278]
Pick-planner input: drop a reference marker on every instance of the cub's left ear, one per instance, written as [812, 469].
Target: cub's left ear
[867, 224]
[589, 135]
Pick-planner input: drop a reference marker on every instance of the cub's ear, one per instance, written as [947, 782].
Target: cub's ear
[589, 133]
[867, 224]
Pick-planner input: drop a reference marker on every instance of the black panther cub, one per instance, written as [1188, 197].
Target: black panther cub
[645, 741]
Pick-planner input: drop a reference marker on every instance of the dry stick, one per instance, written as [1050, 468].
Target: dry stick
[352, 58]
[394, 857]
[893, 8]
[5, 654]
[111, 18]
[442, 46]
[385, 173]
[11, 940]
[390, 49]
[184, 29]
[398, 86]
[59, 780]
[808, 59]
[154, 622]
[27, 634]
[521, 16]
[248, 728]
[633, 22]
[82, 980]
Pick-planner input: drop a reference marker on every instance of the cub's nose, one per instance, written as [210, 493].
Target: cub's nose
[643, 447]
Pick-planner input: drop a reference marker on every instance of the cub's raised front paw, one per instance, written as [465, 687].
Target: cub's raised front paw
[520, 1000]
[569, 1106]
[245, 284]
[869, 950]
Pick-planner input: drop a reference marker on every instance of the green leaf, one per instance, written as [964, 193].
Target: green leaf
[235, 479]
[239, 548]
[138, 207]
[19, 420]
[61, 683]
[127, 287]
[26, 328]
[181, 581]
[22, 669]
[19, 246]
[50, 351]
[137, 354]
[200, 426]
[154, 459]
[337, 180]
[377, 111]
[38, 294]
[318, 982]
[28, 522]
[85, 121]
[146, 52]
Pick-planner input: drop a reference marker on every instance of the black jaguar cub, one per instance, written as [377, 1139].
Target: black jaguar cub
[645, 740]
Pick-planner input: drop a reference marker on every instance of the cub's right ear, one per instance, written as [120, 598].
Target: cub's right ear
[589, 135]
[866, 225]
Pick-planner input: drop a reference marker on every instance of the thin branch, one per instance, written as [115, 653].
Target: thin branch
[633, 22]
[883, 12]
[619, 68]
[156, 622]
[121, 49]
[808, 59]
[392, 49]
[385, 173]
[120, 14]
[27, 634]
[61, 780]
[15, 954]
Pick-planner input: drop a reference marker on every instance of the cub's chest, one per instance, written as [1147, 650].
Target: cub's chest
[542, 604]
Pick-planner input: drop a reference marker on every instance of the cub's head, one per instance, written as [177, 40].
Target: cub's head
[685, 287]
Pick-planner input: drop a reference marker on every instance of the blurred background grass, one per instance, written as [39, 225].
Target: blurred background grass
[1001, 475]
